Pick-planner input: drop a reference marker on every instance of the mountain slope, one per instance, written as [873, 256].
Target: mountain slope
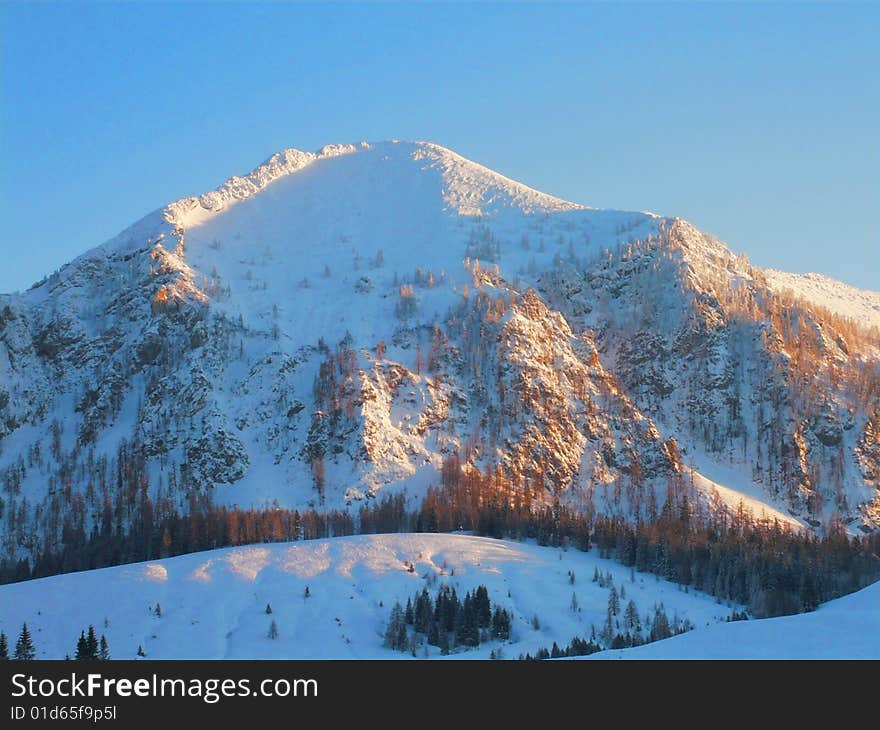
[340, 324]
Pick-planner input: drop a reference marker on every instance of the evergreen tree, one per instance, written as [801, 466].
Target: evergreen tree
[483, 607]
[424, 612]
[268, 608]
[140, 651]
[104, 650]
[91, 644]
[395, 632]
[273, 630]
[81, 647]
[501, 624]
[24, 647]
[467, 631]
[631, 617]
[660, 625]
[4, 647]
[613, 601]
[444, 643]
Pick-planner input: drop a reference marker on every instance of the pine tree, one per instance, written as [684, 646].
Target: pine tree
[24, 647]
[483, 607]
[631, 617]
[104, 650]
[268, 608]
[660, 625]
[501, 624]
[613, 601]
[91, 644]
[81, 647]
[140, 651]
[394, 637]
[273, 630]
[467, 631]
[4, 647]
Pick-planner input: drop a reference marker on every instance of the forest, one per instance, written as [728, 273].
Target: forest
[763, 565]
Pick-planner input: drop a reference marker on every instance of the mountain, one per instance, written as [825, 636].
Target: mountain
[212, 605]
[343, 325]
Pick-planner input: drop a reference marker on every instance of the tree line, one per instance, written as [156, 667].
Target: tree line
[762, 564]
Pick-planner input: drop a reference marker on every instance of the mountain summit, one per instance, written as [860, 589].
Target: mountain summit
[374, 318]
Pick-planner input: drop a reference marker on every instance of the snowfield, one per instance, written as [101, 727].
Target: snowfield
[213, 603]
[860, 305]
[848, 628]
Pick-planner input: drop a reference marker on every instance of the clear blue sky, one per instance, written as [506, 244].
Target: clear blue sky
[758, 123]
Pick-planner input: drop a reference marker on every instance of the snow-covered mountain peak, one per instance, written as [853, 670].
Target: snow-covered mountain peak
[466, 187]
[472, 189]
[191, 210]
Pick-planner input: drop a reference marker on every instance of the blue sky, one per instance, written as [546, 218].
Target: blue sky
[757, 122]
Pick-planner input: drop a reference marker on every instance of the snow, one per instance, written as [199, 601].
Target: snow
[213, 603]
[860, 305]
[733, 489]
[846, 628]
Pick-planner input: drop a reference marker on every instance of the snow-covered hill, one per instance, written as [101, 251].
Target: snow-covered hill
[212, 605]
[846, 628]
[336, 325]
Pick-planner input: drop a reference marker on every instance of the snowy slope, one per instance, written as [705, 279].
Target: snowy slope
[213, 603]
[860, 305]
[846, 628]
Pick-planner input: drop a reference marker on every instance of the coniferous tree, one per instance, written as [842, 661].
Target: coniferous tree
[395, 632]
[631, 617]
[501, 624]
[660, 625]
[273, 630]
[91, 644]
[483, 607]
[268, 608]
[24, 647]
[4, 647]
[613, 601]
[104, 650]
[81, 647]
